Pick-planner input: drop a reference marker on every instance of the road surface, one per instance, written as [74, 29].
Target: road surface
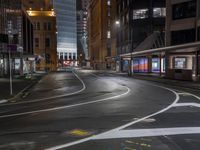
[83, 110]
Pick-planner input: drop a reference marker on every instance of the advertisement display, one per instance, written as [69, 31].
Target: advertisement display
[155, 65]
[140, 65]
[180, 63]
[125, 66]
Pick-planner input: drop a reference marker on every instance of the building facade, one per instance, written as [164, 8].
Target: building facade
[101, 24]
[43, 18]
[82, 32]
[183, 27]
[66, 31]
[16, 38]
[142, 25]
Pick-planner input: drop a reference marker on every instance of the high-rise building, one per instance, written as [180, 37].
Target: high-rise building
[82, 34]
[141, 27]
[101, 25]
[66, 31]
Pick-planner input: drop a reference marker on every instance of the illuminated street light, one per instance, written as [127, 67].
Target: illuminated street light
[117, 22]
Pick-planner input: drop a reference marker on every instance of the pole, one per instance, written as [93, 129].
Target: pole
[11, 87]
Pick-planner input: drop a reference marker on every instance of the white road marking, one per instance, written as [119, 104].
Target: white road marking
[113, 131]
[186, 105]
[148, 133]
[53, 97]
[68, 106]
[3, 101]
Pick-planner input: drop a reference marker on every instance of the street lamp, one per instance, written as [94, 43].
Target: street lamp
[117, 22]
[10, 36]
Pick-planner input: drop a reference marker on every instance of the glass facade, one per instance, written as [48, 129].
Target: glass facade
[66, 28]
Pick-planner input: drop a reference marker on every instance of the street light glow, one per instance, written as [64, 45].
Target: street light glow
[117, 22]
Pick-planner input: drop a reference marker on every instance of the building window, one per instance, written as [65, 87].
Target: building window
[140, 14]
[45, 26]
[108, 2]
[65, 56]
[49, 26]
[159, 12]
[47, 42]
[61, 55]
[182, 36]
[184, 10]
[74, 56]
[37, 42]
[108, 34]
[38, 26]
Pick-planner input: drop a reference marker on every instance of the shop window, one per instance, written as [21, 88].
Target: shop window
[180, 63]
[159, 12]
[184, 10]
[182, 36]
[140, 14]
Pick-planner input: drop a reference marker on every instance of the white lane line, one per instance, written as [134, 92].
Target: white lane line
[121, 127]
[136, 133]
[186, 105]
[3, 101]
[68, 106]
[53, 97]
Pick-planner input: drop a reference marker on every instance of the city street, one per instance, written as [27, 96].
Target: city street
[86, 110]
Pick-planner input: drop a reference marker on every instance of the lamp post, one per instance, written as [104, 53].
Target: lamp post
[10, 36]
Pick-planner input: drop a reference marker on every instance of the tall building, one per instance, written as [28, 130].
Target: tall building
[66, 31]
[141, 27]
[43, 18]
[101, 18]
[16, 37]
[82, 34]
[183, 27]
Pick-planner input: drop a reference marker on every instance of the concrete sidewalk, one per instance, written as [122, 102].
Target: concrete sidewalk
[19, 85]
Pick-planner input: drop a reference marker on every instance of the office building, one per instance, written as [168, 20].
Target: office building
[66, 31]
[101, 27]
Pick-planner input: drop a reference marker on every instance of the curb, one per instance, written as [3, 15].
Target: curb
[12, 99]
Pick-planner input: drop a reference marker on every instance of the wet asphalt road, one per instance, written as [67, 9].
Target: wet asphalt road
[82, 110]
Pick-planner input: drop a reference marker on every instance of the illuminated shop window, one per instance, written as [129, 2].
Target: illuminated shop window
[159, 12]
[140, 14]
[108, 35]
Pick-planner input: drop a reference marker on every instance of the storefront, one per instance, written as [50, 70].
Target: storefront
[181, 62]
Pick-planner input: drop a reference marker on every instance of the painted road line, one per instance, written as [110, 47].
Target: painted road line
[3, 101]
[121, 127]
[53, 97]
[138, 133]
[187, 104]
[68, 106]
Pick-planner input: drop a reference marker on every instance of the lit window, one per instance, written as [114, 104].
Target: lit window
[159, 12]
[108, 35]
[140, 14]
[108, 2]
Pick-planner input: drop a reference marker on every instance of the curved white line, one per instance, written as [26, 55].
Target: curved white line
[53, 97]
[68, 106]
[121, 127]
